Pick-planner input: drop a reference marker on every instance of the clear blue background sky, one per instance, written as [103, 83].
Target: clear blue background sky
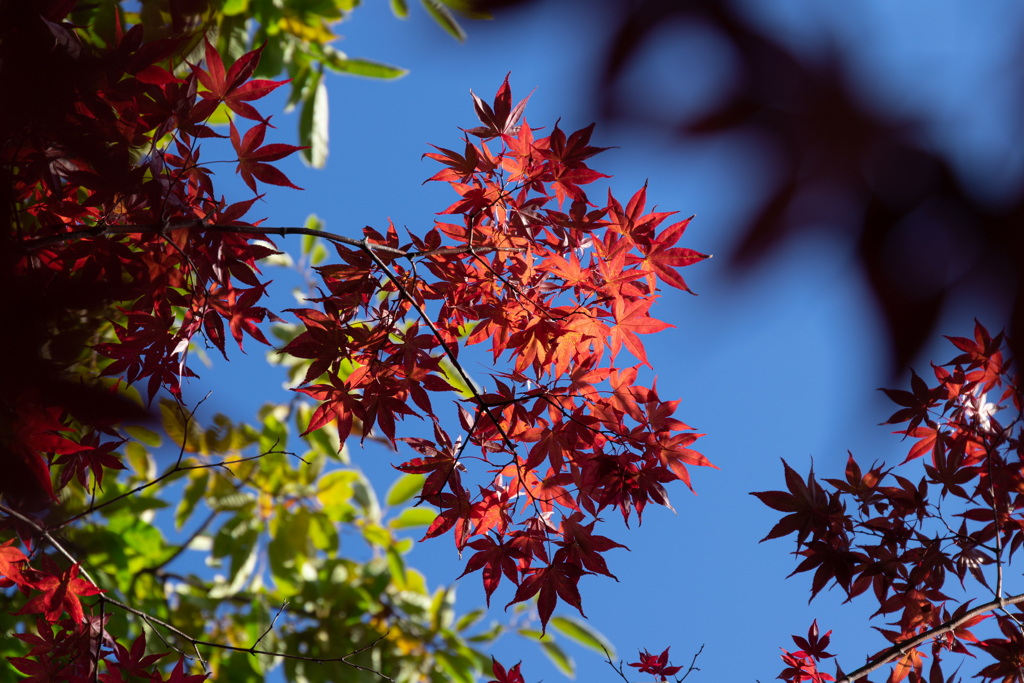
[783, 362]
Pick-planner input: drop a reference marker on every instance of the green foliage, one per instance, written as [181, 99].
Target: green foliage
[296, 36]
[299, 551]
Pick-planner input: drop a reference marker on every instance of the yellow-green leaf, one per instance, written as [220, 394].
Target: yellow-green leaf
[413, 517]
[313, 122]
[582, 634]
[560, 658]
[443, 16]
[404, 488]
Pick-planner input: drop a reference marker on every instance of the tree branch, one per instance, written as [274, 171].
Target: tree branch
[903, 646]
[194, 224]
[252, 650]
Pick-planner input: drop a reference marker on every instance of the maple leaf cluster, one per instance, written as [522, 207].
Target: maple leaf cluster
[656, 665]
[115, 255]
[883, 534]
[523, 263]
[68, 644]
[120, 258]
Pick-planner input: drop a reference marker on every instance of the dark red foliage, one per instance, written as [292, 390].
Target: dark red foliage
[910, 538]
[656, 665]
[119, 257]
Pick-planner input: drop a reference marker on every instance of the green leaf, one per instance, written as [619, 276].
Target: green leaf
[583, 634]
[376, 535]
[400, 8]
[368, 68]
[194, 490]
[313, 222]
[468, 620]
[396, 565]
[319, 254]
[234, 38]
[235, 7]
[176, 423]
[413, 517]
[338, 61]
[313, 122]
[367, 499]
[442, 609]
[443, 16]
[452, 375]
[457, 667]
[335, 493]
[243, 561]
[560, 658]
[140, 460]
[488, 636]
[404, 488]
[323, 533]
[146, 436]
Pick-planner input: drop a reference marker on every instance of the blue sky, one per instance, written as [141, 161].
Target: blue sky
[781, 362]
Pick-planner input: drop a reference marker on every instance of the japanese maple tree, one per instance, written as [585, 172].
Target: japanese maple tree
[123, 262]
[930, 541]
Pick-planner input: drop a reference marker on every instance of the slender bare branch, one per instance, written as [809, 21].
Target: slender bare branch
[48, 537]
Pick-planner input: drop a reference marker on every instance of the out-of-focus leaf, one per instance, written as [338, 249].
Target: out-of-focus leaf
[457, 667]
[443, 16]
[559, 658]
[413, 517]
[195, 487]
[582, 634]
[442, 613]
[356, 66]
[176, 424]
[469, 619]
[404, 489]
[323, 533]
[396, 564]
[146, 436]
[400, 8]
[313, 122]
[376, 535]
[232, 7]
[140, 460]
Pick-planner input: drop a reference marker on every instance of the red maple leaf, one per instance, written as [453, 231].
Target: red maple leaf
[495, 558]
[656, 664]
[93, 458]
[662, 259]
[502, 676]
[810, 509]
[631, 319]
[232, 87]
[59, 593]
[500, 119]
[557, 580]
[12, 561]
[580, 546]
[178, 674]
[814, 645]
[441, 466]
[252, 157]
[461, 167]
[132, 663]
[574, 151]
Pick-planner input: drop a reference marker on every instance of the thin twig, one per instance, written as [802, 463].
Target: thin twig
[693, 665]
[45, 533]
[272, 622]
